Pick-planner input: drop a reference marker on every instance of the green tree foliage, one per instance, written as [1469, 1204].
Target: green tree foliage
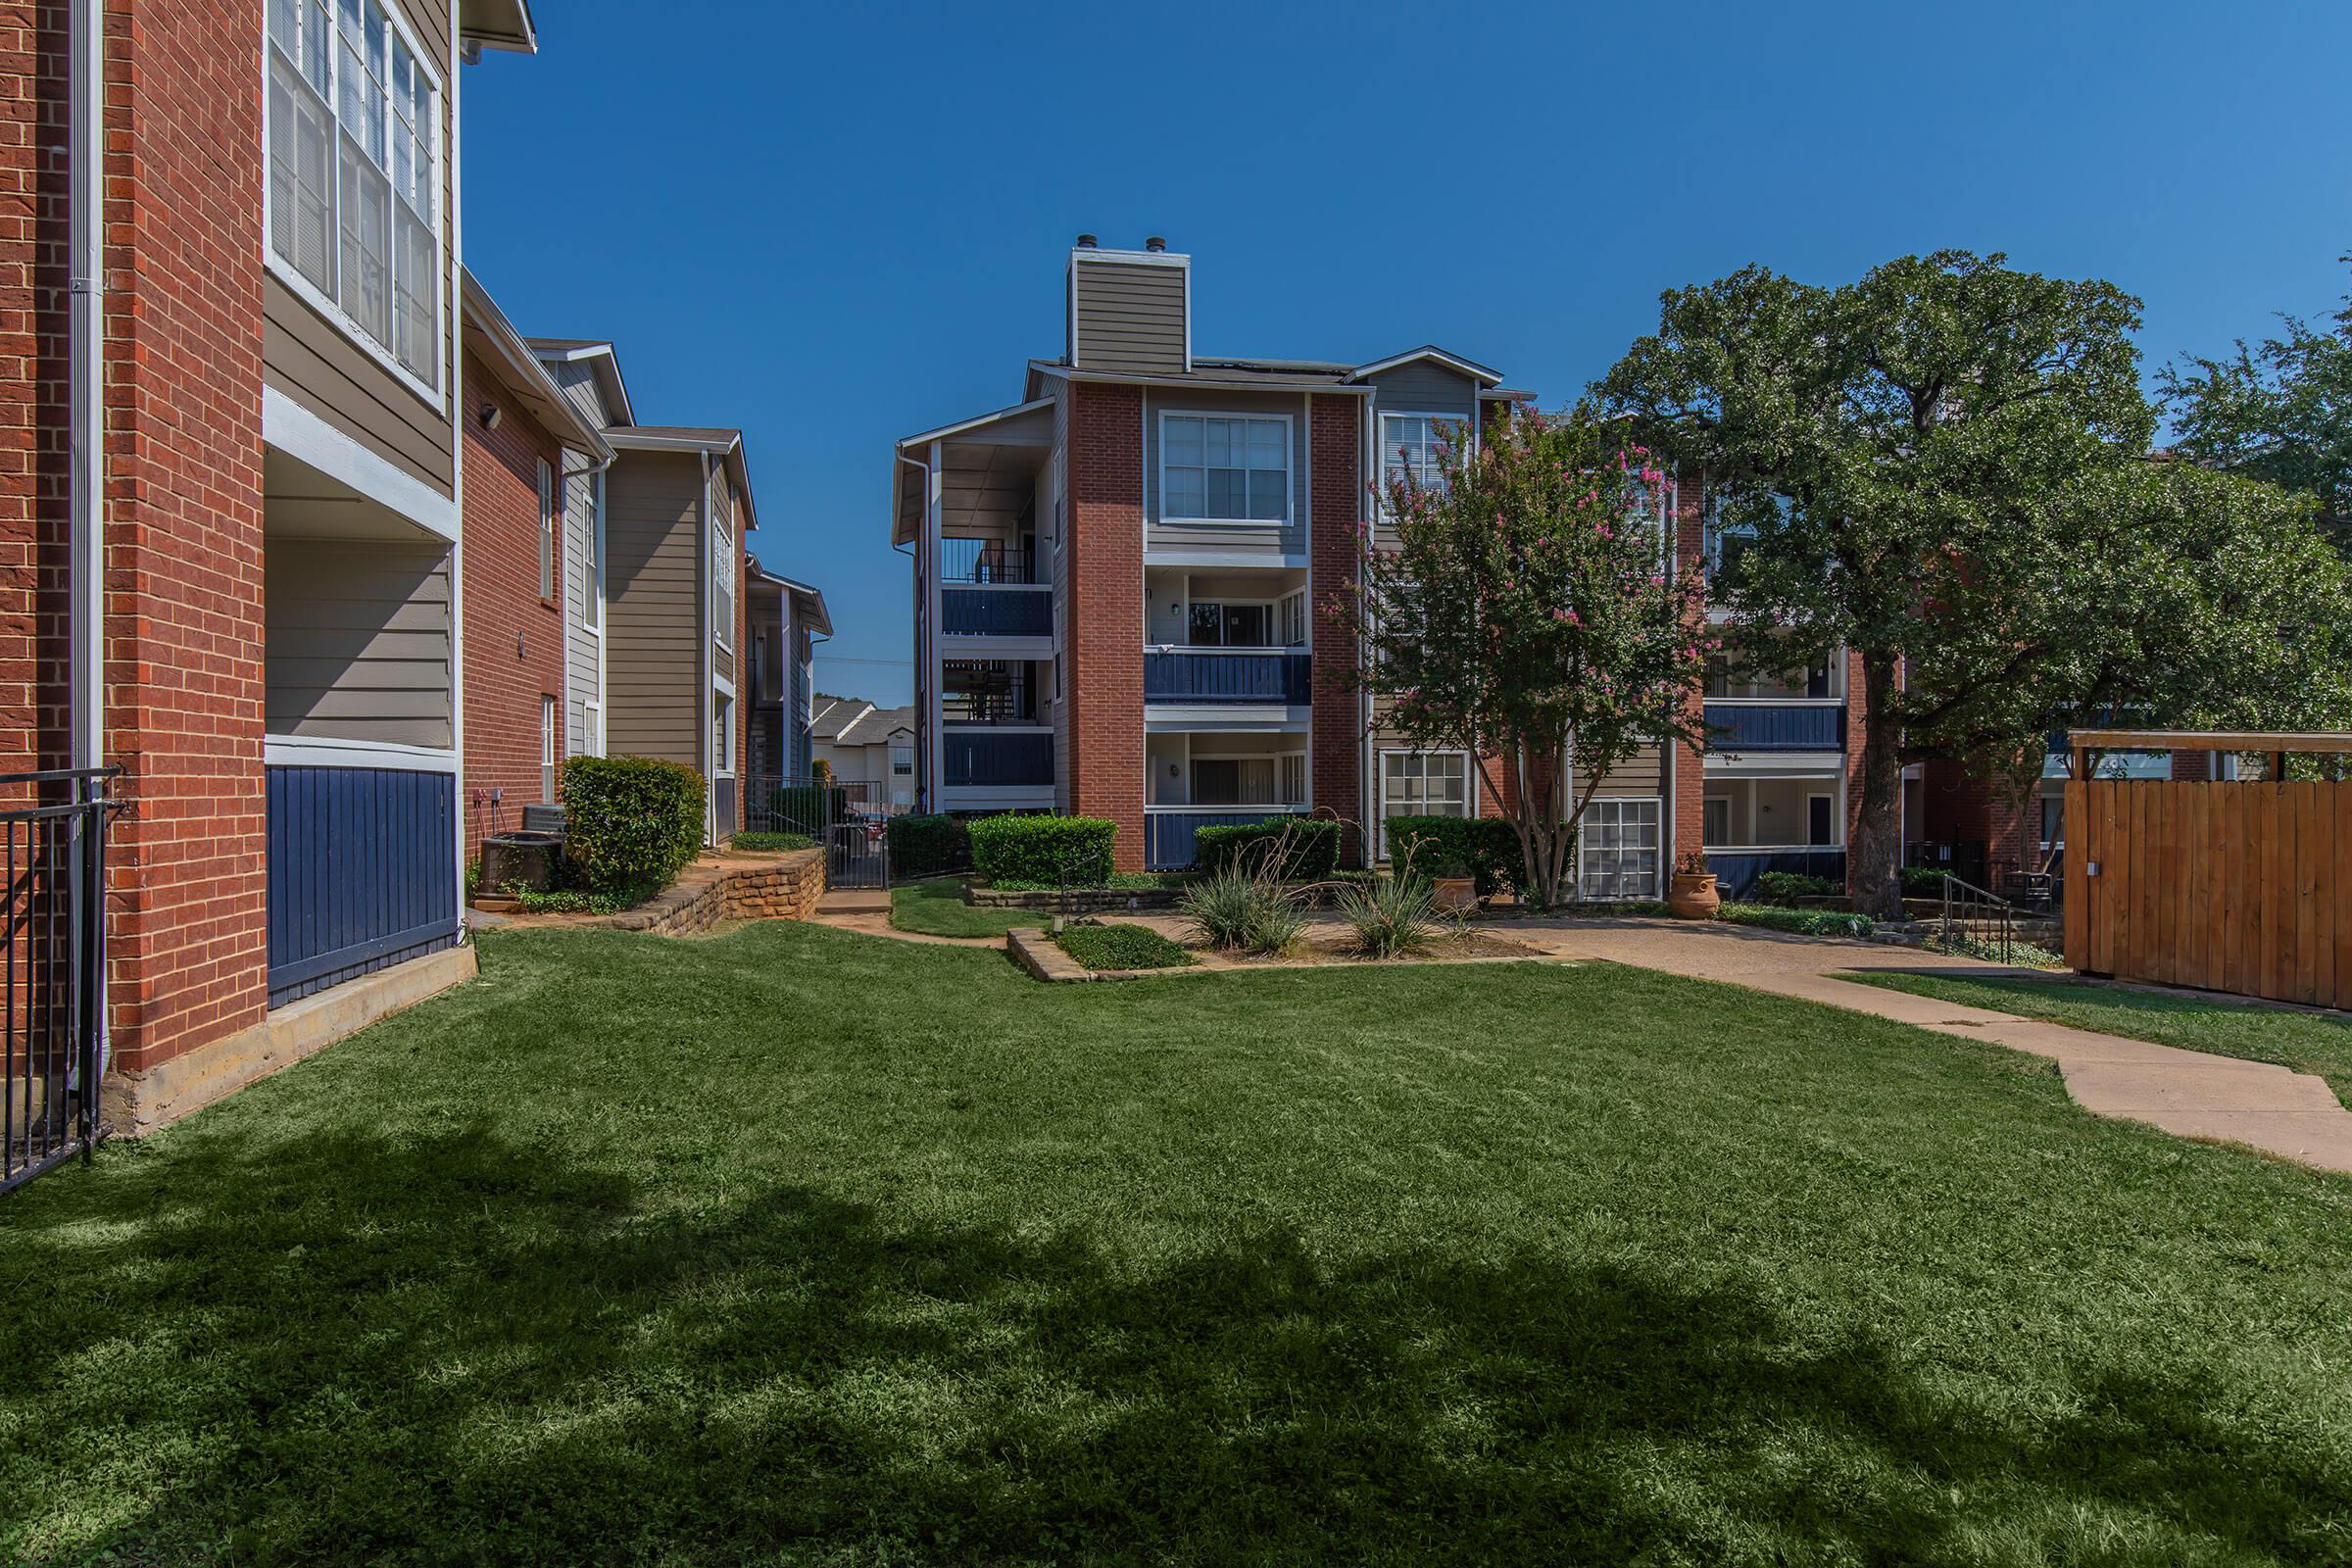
[1946, 468]
[1521, 608]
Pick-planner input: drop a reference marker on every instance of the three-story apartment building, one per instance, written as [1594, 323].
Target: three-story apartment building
[1122, 608]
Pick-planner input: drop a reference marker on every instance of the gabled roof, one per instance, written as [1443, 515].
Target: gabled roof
[811, 600]
[715, 441]
[508, 357]
[603, 362]
[1478, 372]
[833, 714]
[875, 726]
[498, 25]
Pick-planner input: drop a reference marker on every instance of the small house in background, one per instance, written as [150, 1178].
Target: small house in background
[870, 749]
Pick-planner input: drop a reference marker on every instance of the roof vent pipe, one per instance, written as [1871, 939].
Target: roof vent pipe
[1085, 242]
[1155, 244]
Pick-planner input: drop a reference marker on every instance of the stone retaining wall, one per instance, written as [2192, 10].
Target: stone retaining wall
[1079, 901]
[738, 887]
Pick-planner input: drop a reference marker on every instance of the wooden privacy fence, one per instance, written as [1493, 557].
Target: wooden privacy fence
[2242, 886]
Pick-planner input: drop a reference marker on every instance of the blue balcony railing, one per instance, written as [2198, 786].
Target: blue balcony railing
[1216, 675]
[996, 611]
[1169, 831]
[1776, 727]
[362, 873]
[991, 757]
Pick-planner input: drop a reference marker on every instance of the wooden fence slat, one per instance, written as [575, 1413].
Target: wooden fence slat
[2340, 872]
[2310, 924]
[2079, 844]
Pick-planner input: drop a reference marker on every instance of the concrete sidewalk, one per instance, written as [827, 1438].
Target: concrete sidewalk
[2187, 1093]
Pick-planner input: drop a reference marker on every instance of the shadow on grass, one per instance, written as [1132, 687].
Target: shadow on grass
[462, 1350]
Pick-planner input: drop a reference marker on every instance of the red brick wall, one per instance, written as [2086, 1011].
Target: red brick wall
[1687, 810]
[513, 635]
[1338, 508]
[1105, 678]
[1857, 731]
[189, 941]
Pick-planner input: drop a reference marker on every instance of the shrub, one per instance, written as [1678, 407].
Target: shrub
[1786, 887]
[1483, 847]
[577, 900]
[1235, 908]
[807, 808]
[1798, 923]
[630, 823]
[1306, 849]
[1392, 916]
[1122, 946]
[1921, 882]
[769, 843]
[928, 845]
[1051, 850]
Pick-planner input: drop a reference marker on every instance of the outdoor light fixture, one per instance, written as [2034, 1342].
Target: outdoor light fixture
[491, 414]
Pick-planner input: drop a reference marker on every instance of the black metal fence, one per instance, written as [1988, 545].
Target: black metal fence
[54, 856]
[1976, 922]
[843, 816]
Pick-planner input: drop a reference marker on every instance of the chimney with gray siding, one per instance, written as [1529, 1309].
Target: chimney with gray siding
[1129, 309]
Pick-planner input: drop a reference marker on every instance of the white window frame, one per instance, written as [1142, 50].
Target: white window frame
[592, 563]
[1836, 838]
[1656, 847]
[1380, 785]
[548, 749]
[592, 718]
[1706, 805]
[722, 735]
[551, 536]
[1271, 606]
[1289, 607]
[310, 293]
[722, 553]
[1289, 499]
[1386, 449]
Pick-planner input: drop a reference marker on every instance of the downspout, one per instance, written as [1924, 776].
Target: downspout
[87, 430]
[926, 740]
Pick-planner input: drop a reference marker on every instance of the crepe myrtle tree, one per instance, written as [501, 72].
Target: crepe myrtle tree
[1520, 605]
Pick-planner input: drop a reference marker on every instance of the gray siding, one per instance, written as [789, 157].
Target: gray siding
[315, 360]
[1129, 316]
[582, 681]
[577, 382]
[358, 639]
[1178, 535]
[1425, 387]
[726, 624]
[652, 614]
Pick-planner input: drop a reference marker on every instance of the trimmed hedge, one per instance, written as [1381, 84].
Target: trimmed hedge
[1480, 847]
[1921, 882]
[807, 808]
[1051, 850]
[1312, 855]
[630, 823]
[771, 843]
[928, 845]
[1786, 887]
[1798, 923]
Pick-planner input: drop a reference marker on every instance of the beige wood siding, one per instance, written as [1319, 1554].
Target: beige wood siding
[1643, 774]
[315, 361]
[652, 614]
[1291, 537]
[358, 633]
[1129, 316]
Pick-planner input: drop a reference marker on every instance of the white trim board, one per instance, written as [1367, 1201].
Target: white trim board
[298, 433]
[305, 751]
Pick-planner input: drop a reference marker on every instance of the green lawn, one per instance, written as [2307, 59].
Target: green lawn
[798, 1246]
[938, 910]
[2304, 1041]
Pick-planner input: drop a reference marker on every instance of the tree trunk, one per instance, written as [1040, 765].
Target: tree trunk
[1875, 857]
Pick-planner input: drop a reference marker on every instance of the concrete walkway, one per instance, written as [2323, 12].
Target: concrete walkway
[2187, 1093]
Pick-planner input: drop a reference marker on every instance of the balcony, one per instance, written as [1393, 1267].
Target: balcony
[997, 609]
[1766, 726]
[1223, 675]
[1170, 830]
[989, 759]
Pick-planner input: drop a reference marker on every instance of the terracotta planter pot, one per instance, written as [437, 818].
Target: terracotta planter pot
[1456, 895]
[1693, 898]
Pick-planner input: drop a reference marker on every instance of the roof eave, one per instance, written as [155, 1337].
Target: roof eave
[524, 375]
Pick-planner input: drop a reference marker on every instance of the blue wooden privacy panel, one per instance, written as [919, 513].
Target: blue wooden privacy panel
[1168, 836]
[362, 873]
[996, 611]
[1218, 677]
[1735, 870]
[1775, 727]
[982, 757]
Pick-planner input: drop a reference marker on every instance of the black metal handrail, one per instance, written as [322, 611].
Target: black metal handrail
[1975, 921]
[53, 855]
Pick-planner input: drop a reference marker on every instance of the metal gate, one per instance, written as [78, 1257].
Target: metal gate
[54, 857]
[840, 815]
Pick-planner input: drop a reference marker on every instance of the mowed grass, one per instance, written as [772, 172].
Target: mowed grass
[937, 910]
[795, 1246]
[2318, 1044]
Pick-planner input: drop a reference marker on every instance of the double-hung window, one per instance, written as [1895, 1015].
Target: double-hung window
[1411, 447]
[550, 547]
[1292, 610]
[1224, 468]
[1422, 784]
[722, 584]
[1617, 850]
[355, 172]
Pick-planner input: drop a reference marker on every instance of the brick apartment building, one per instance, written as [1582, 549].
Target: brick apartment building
[1120, 608]
[287, 531]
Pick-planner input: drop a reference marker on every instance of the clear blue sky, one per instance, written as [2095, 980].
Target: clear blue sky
[837, 225]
